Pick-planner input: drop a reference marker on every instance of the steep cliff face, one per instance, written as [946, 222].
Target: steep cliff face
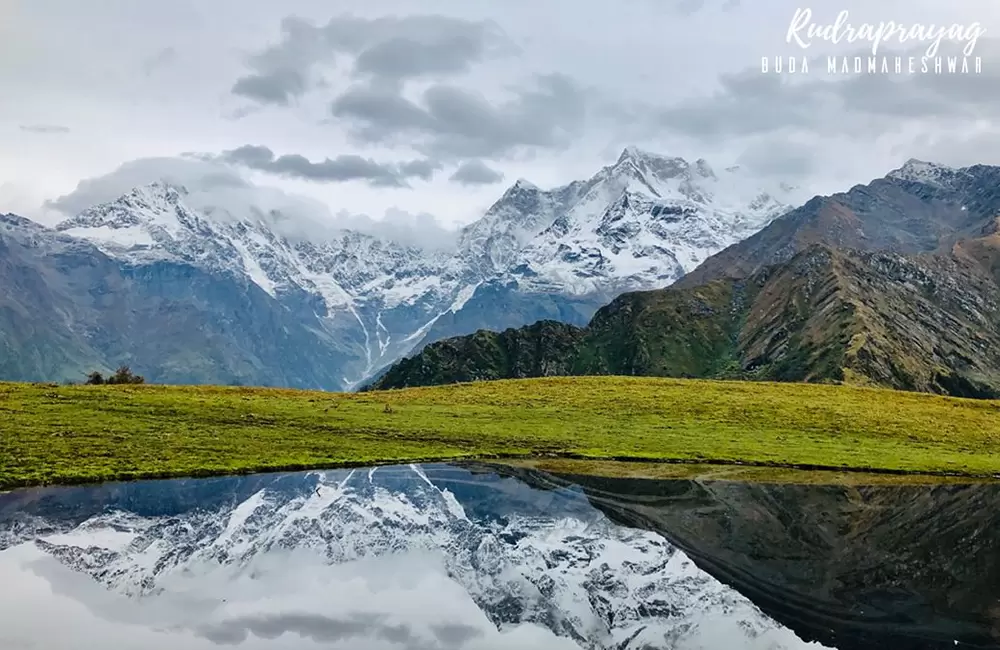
[499, 305]
[34, 344]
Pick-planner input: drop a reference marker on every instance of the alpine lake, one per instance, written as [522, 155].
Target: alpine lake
[527, 555]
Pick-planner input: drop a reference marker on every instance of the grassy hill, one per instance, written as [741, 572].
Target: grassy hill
[63, 434]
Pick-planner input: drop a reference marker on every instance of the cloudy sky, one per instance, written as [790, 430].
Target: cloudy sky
[412, 112]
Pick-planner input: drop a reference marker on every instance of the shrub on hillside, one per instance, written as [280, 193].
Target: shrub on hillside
[123, 375]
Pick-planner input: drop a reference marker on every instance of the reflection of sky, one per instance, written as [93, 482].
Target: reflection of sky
[296, 601]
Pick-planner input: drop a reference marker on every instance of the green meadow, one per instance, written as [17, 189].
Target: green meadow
[75, 434]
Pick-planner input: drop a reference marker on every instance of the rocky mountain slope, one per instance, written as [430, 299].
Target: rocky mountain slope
[68, 308]
[300, 553]
[354, 302]
[784, 308]
[920, 207]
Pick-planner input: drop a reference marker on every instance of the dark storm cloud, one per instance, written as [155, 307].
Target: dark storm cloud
[446, 120]
[931, 96]
[377, 114]
[476, 172]
[348, 167]
[454, 122]
[388, 50]
[422, 169]
[747, 103]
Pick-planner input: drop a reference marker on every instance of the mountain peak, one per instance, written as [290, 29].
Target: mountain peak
[161, 189]
[634, 153]
[704, 169]
[17, 221]
[155, 204]
[920, 171]
[640, 156]
[628, 153]
[638, 162]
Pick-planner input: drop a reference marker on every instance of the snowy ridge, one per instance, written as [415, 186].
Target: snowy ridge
[644, 222]
[570, 570]
[638, 224]
[919, 171]
[350, 279]
[152, 223]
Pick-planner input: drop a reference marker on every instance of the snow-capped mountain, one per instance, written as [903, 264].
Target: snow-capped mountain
[638, 224]
[560, 254]
[153, 223]
[922, 171]
[358, 286]
[390, 548]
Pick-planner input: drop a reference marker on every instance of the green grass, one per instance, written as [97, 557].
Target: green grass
[53, 434]
[664, 471]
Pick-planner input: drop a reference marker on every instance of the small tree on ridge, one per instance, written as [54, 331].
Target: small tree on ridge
[124, 375]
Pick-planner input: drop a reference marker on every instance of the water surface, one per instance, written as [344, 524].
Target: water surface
[489, 556]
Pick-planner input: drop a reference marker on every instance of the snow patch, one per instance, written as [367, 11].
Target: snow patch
[109, 238]
[464, 295]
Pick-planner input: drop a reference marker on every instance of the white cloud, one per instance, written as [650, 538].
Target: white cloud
[198, 176]
[415, 229]
[214, 186]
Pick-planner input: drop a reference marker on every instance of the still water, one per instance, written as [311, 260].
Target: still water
[470, 557]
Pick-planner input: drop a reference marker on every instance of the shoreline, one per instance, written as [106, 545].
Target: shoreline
[541, 462]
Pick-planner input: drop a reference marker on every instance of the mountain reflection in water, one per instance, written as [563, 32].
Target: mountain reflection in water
[488, 556]
[899, 566]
